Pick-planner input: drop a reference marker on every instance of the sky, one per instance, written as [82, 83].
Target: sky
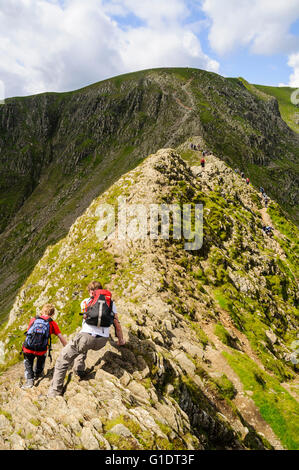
[63, 45]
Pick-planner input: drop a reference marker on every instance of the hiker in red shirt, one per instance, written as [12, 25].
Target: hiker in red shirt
[202, 162]
[35, 346]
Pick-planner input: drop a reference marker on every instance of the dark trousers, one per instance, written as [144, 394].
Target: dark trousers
[30, 371]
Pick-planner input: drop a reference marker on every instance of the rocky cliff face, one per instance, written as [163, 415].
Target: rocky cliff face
[60, 151]
[208, 358]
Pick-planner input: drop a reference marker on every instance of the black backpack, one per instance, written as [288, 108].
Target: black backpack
[99, 310]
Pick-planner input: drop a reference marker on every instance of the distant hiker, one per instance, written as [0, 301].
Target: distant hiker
[243, 174]
[35, 346]
[268, 230]
[99, 313]
[202, 162]
[262, 190]
[247, 180]
[266, 202]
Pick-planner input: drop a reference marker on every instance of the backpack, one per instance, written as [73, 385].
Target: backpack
[38, 335]
[99, 309]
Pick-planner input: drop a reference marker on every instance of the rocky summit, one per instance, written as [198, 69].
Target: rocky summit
[210, 359]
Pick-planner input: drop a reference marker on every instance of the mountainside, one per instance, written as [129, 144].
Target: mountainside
[288, 111]
[211, 333]
[58, 151]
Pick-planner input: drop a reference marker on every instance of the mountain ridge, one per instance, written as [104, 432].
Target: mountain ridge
[59, 151]
[207, 364]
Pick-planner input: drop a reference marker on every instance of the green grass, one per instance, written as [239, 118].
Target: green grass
[201, 335]
[224, 336]
[225, 387]
[286, 107]
[290, 243]
[252, 318]
[254, 90]
[140, 438]
[277, 407]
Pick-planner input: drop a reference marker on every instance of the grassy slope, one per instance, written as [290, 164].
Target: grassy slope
[287, 109]
[272, 173]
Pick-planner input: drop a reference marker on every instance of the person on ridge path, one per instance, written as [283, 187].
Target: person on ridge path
[99, 311]
[36, 344]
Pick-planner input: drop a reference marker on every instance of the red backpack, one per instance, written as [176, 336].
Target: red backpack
[99, 309]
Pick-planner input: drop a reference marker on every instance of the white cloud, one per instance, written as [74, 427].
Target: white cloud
[44, 47]
[294, 63]
[263, 25]
[144, 48]
[162, 39]
[56, 45]
[154, 12]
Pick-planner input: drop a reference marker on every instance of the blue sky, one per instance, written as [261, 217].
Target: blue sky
[61, 45]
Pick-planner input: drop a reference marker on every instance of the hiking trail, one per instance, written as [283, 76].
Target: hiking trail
[187, 109]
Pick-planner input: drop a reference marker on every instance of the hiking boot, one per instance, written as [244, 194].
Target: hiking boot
[28, 384]
[81, 373]
[39, 375]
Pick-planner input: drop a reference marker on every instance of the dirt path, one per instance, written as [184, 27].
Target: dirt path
[265, 216]
[190, 96]
[243, 400]
[187, 109]
[182, 104]
[272, 242]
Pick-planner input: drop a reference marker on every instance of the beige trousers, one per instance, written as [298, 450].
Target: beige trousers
[74, 353]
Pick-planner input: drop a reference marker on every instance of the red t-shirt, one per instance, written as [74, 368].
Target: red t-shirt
[54, 330]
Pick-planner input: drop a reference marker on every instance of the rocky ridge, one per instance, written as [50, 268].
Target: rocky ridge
[54, 148]
[194, 322]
